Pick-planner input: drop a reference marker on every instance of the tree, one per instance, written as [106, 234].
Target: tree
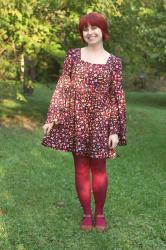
[34, 35]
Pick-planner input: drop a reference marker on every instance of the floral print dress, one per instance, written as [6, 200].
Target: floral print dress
[88, 104]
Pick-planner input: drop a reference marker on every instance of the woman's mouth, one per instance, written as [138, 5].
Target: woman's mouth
[91, 37]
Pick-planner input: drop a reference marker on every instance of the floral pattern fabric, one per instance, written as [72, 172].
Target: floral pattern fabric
[88, 104]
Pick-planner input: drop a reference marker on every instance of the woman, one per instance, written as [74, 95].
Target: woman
[87, 115]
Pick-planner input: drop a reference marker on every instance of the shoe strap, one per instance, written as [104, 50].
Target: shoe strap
[87, 215]
[100, 216]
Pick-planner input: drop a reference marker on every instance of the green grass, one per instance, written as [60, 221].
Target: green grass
[39, 206]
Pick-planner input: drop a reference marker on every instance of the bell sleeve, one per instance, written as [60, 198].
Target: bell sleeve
[56, 110]
[118, 104]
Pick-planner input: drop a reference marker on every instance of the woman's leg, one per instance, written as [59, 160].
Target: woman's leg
[99, 183]
[82, 181]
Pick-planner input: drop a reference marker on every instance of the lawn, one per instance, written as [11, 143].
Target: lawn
[39, 208]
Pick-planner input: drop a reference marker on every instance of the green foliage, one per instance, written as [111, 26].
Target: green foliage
[43, 30]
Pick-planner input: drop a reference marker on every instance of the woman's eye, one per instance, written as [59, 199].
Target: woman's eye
[94, 27]
[85, 29]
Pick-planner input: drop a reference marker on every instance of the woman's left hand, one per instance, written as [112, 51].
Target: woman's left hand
[113, 141]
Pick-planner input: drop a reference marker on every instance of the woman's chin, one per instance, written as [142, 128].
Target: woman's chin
[92, 42]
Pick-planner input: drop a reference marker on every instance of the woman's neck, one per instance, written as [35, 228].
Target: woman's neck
[95, 47]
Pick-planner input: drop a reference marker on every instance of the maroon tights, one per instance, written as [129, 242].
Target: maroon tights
[83, 165]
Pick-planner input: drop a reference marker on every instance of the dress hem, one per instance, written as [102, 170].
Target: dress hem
[79, 153]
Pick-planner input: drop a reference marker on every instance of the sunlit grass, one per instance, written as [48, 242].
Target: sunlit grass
[39, 205]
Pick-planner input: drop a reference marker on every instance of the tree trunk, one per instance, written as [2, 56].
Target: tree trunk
[28, 76]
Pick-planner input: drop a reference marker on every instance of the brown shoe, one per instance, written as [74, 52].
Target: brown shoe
[86, 223]
[100, 222]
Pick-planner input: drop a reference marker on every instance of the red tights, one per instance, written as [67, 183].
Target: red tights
[83, 165]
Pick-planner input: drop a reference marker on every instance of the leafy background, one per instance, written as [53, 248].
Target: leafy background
[35, 35]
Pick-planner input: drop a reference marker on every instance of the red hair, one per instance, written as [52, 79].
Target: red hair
[94, 19]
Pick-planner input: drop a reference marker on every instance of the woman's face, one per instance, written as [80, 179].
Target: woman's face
[92, 34]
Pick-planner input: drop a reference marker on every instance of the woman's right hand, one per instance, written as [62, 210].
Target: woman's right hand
[47, 127]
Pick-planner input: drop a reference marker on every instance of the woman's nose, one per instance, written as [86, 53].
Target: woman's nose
[89, 31]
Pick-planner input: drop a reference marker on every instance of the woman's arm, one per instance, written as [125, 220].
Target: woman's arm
[56, 108]
[118, 104]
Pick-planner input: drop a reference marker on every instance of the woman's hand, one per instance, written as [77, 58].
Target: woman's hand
[113, 141]
[47, 127]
